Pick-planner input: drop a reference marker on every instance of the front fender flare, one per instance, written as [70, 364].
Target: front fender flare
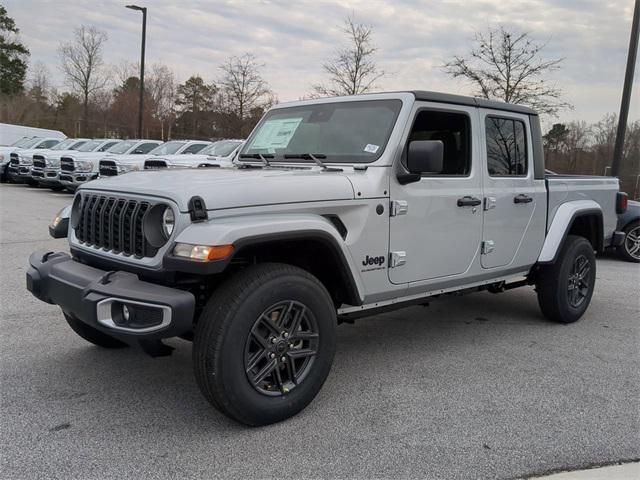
[241, 231]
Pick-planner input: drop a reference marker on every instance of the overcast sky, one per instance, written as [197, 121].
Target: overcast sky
[293, 38]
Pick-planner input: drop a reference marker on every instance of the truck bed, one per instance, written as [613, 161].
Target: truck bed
[602, 190]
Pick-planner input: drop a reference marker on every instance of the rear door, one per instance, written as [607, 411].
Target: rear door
[511, 197]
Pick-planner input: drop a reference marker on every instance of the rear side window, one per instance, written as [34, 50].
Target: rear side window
[506, 147]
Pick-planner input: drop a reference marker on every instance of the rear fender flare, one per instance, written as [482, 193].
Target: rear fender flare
[565, 216]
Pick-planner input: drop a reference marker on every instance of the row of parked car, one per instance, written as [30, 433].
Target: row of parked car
[68, 163]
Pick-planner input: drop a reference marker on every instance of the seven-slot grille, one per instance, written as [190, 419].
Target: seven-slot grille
[14, 159]
[108, 168]
[66, 164]
[38, 161]
[114, 224]
[151, 164]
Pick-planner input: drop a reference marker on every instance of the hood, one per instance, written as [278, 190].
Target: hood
[194, 159]
[231, 188]
[88, 155]
[131, 159]
[57, 153]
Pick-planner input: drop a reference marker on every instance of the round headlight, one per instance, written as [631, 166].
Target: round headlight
[168, 221]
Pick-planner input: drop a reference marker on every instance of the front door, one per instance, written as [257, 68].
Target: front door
[436, 223]
[510, 194]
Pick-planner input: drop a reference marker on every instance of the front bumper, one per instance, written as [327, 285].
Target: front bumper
[73, 180]
[20, 173]
[96, 297]
[46, 177]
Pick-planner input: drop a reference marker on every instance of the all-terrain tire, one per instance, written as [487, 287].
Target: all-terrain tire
[230, 323]
[565, 287]
[92, 335]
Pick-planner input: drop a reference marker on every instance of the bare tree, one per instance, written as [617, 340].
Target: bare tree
[162, 89]
[82, 64]
[353, 69]
[242, 87]
[508, 66]
[576, 142]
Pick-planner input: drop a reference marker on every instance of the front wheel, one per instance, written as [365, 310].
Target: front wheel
[565, 288]
[264, 344]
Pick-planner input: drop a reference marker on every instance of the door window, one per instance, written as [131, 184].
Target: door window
[145, 148]
[195, 148]
[454, 131]
[506, 147]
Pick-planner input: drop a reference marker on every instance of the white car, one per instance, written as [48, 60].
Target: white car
[218, 154]
[46, 165]
[21, 159]
[130, 163]
[78, 168]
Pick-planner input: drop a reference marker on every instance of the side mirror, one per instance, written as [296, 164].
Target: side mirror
[425, 156]
[59, 228]
[138, 151]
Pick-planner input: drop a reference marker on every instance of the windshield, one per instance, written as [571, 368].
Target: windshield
[64, 145]
[90, 146]
[346, 132]
[122, 147]
[31, 142]
[21, 142]
[221, 148]
[168, 148]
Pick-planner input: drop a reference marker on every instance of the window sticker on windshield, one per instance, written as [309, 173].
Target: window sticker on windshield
[370, 148]
[275, 134]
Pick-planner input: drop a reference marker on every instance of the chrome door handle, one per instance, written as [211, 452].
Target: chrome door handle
[522, 198]
[468, 201]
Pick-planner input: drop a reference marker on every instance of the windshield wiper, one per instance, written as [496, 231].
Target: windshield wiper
[259, 156]
[315, 157]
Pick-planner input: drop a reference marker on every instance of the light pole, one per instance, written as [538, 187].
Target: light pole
[144, 35]
[626, 91]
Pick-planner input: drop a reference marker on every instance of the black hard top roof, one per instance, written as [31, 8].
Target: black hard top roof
[470, 101]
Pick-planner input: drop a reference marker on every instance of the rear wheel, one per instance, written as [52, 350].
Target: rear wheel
[92, 335]
[264, 344]
[565, 288]
[630, 248]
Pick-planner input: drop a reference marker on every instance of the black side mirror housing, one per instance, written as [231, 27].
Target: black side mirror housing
[59, 228]
[425, 156]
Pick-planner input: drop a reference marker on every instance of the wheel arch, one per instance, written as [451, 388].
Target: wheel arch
[312, 242]
[582, 218]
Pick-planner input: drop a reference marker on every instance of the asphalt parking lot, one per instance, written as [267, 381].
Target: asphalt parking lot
[474, 387]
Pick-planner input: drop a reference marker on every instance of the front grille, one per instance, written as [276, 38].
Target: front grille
[38, 161]
[114, 224]
[66, 164]
[153, 164]
[14, 159]
[108, 168]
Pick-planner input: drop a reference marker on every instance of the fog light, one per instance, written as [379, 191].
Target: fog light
[125, 313]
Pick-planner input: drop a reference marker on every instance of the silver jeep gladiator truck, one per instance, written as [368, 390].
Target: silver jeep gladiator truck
[339, 208]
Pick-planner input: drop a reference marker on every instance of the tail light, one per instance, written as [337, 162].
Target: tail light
[622, 200]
